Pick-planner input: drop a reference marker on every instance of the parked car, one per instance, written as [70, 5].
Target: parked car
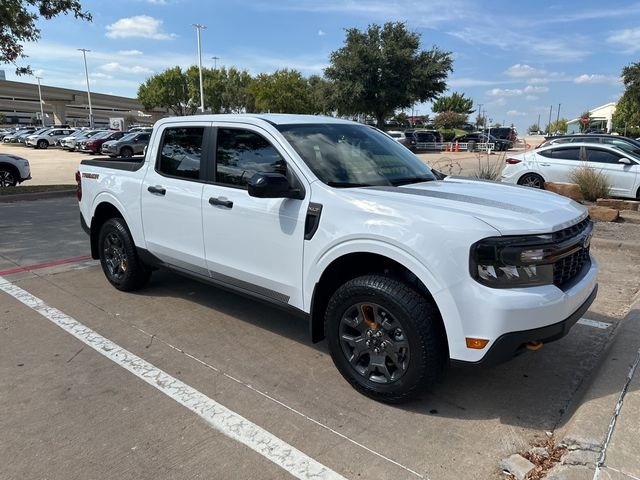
[13, 170]
[15, 136]
[628, 144]
[508, 134]
[47, 138]
[70, 142]
[398, 136]
[554, 163]
[127, 146]
[94, 144]
[479, 137]
[335, 221]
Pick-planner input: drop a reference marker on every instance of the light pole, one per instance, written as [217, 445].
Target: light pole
[86, 74]
[539, 129]
[40, 95]
[215, 62]
[549, 124]
[558, 118]
[199, 27]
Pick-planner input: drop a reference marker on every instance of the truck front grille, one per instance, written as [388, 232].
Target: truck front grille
[566, 269]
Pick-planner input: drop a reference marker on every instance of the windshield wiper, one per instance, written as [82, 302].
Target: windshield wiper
[347, 184]
[407, 180]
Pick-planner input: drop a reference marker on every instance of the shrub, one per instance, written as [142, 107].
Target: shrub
[489, 168]
[593, 183]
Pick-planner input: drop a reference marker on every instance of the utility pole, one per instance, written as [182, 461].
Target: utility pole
[40, 95]
[215, 62]
[200, 27]
[479, 111]
[539, 123]
[549, 124]
[86, 74]
[558, 119]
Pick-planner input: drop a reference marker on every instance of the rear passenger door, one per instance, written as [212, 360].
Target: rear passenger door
[556, 164]
[171, 196]
[253, 244]
[622, 177]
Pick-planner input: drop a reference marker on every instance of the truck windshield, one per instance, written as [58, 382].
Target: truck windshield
[345, 155]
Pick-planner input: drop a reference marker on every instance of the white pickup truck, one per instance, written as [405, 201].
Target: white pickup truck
[402, 273]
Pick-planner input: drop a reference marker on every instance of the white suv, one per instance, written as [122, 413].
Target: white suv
[48, 137]
[13, 170]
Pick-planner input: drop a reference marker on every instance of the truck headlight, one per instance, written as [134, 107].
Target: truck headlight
[509, 262]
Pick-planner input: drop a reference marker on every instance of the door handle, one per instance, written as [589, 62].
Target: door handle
[221, 202]
[158, 190]
[545, 164]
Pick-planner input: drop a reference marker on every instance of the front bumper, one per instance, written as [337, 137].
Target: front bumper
[513, 344]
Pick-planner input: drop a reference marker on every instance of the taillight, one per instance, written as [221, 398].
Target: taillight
[78, 185]
[512, 161]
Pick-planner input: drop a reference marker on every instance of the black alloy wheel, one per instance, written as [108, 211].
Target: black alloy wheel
[532, 180]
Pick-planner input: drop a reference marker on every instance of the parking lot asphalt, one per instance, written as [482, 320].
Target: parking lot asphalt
[69, 411]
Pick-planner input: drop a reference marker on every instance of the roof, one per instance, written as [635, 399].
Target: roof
[272, 118]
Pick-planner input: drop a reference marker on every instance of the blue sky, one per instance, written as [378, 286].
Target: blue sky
[515, 58]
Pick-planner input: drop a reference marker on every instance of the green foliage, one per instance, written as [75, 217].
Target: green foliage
[626, 119]
[284, 91]
[449, 120]
[496, 125]
[559, 126]
[170, 89]
[489, 168]
[18, 20]
[3, 118]
[449, 134]
[382, 69]
[480, 120]
[455, 102]
[534, 128]
[593, 183]
[320, 90]
[583, 125]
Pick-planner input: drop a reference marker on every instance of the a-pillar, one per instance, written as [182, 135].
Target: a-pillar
[59, 111]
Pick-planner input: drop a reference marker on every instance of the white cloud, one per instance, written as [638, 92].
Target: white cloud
[628, 39]
[522, 70]
[321, 33]
[596, 78]
[516, 113]
[530, 98]
[532, 89]
[472, 82]
[537, 80]
[118, 67]
[504, 92]
[140, 26]
[130, 53]
[100, 75]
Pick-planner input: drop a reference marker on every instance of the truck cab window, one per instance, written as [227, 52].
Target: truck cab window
[242, 153]
[181, 152]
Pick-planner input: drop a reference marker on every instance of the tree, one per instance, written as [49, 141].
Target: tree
[284, 91]
[496, 125]
[169, 89]
[449, 120]
[382, 69]
[320, 91]
[481, 120]
[3, 118]
[18, 25]
[455, 102]
[559, 126]
[534, 128]
[626, 118]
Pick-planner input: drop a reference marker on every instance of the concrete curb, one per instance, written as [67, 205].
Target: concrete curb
[586, 433]
[20, 197]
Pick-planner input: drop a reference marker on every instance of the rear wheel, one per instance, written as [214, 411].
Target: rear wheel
[43, 144]
[8, 177]
[385, 338]
[532, 180]
[118, 257]
[126, 152]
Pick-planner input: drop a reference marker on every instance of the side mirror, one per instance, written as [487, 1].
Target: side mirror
[625, 161]
[271, 185]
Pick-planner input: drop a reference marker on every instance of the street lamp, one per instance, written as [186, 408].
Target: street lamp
[215, 62]
[199, 27]
[40, 95]
[86, 75]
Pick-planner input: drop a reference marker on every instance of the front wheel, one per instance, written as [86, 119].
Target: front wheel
[8, 178]
[43, 144]
[385, 338]
[532, 180]
[118, 257]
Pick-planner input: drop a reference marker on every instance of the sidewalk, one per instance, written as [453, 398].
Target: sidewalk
[603, 435]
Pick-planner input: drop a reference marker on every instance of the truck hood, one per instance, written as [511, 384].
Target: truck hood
[510, 209]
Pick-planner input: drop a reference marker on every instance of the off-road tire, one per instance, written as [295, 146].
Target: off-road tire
[421, 327]
[115, 240]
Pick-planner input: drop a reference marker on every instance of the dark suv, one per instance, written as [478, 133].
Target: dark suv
[421, 140]
[625, 143]
[131, 144]
[507, 134]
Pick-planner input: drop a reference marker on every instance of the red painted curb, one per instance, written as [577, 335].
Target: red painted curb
[45, 265]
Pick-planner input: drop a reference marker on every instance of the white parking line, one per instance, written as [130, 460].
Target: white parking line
[594, 323]
[218, 416]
